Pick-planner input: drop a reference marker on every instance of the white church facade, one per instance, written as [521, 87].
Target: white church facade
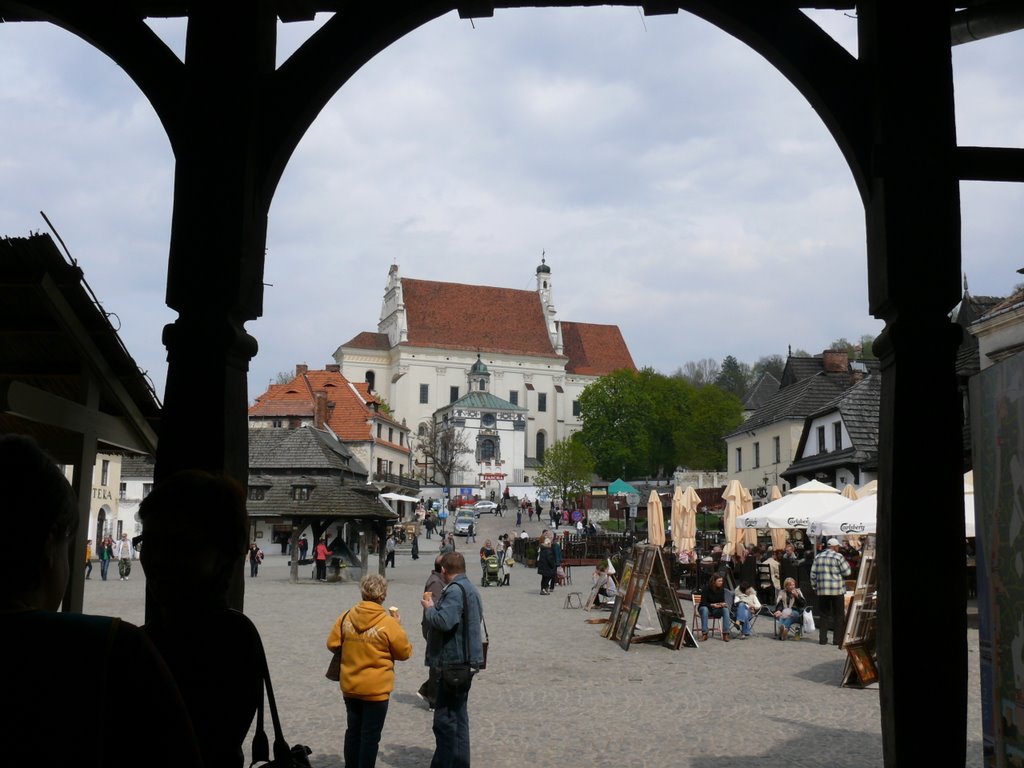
[430, 336]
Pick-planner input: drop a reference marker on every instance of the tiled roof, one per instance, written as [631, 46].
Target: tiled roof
[595, 350]
[475, 317]
[764, 389]
[281, 459]
[349, 414]
[796, 401]
[135, 465]
[800, 368]
[369, 340]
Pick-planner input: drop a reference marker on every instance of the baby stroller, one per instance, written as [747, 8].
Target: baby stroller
[490, 566]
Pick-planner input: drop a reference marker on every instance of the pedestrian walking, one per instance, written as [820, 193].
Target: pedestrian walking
[88, 558]
[415, 547]
[546, 566]
[434, 585]
[255, 555]
[371, 640]
[124, 553]
[471, 532]
[320, 554]
[389, 550]
[106, 554]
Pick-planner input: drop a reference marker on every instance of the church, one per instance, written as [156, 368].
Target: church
[494, 361]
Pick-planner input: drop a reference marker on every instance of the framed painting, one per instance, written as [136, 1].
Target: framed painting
[627, 573]
[674, 635]
[626, 632]
[860, 657]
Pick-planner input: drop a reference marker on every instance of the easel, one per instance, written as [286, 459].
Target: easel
[860, 669]
[644, 573]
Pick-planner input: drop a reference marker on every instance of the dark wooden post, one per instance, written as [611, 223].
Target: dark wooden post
[913, 233]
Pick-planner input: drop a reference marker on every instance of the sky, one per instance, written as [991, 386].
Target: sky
[677, 184]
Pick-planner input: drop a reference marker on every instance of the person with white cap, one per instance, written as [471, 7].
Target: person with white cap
[828, 577]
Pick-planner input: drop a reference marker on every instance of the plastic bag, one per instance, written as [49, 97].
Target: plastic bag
[808, 621]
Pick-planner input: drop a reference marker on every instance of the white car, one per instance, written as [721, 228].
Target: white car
[484, 506]
[462, 522]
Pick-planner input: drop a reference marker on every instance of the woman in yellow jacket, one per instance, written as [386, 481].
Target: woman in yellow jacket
[371, 640]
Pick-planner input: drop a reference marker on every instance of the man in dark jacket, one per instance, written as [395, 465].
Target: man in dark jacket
[434, 585]
[454, 622]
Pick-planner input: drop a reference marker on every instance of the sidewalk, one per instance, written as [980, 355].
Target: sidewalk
[555, 692]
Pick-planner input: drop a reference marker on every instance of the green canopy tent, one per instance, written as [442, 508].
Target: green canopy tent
[620, 488]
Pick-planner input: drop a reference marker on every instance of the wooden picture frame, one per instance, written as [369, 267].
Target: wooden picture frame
[864, 665]
[674, 635]
[625, 635]
[627, 573]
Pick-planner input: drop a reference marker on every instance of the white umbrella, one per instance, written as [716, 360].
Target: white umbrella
[398, 497]
[797, 508]
[860, 517]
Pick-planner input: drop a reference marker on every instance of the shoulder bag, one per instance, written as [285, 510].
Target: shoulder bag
[334, 668]
[284, 756]
[457, 678]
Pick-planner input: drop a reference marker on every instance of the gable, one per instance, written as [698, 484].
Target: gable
[595, 350]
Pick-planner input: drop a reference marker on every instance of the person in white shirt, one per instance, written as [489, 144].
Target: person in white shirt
[124, 553]
[745, 595]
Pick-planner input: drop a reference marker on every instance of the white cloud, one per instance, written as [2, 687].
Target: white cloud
[681, 187]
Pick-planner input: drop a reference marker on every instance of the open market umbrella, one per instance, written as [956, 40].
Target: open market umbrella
[655, 520]
[797, 508]
[688, 530]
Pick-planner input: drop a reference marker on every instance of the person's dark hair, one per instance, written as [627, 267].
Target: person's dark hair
[213, 503]
[437, 563]
[453, 562]
[39, 497]
[744, 586]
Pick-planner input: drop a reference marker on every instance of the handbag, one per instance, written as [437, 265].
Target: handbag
[284, 755]
[334, 668]
[808, 621]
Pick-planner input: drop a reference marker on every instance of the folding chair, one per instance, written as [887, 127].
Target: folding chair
[714, 622]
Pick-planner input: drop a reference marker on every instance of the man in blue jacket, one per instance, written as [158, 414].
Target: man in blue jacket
[447, 641]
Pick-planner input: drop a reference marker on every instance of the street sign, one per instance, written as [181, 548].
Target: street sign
[632, 511]
[633, 499]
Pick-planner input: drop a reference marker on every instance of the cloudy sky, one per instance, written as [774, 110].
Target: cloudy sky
[680, 187]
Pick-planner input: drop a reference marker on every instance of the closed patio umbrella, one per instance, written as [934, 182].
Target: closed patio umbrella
[850, 492]
[688, 531]
[677, 517]
[733, 495]
[779, 535]
[655, 520]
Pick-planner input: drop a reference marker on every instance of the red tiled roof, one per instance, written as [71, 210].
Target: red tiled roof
[348, 414]
[369, 340]
[595, 350]
[475, 317]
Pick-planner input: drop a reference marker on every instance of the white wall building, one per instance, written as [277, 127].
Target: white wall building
[430, 334]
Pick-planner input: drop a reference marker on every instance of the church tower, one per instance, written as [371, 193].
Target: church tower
[479, 376]
[545, 288]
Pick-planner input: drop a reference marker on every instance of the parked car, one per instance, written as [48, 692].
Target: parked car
[463, 520]
[484, 506]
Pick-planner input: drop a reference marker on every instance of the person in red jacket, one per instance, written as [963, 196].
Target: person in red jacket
[320, 553]
[371, 641]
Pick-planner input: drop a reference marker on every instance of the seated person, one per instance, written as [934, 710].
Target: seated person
[790, 607]
[605, 584]
[745, 604]
[716, 601]
[56, 660]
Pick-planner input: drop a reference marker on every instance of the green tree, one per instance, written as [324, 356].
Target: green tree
[615, 411]
[713, 413]
[734, 376]
[567, 470]
[773, 364]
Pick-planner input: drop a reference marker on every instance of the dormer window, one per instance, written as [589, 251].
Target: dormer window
[301, 492]
[257, 493]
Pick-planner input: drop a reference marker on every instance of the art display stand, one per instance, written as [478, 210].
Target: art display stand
[645, 587]
[861, 668]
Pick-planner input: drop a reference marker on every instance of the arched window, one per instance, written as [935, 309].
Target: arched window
[540, 446]
[370, 379]
[487, 450]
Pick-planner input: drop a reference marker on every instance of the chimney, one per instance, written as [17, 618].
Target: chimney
[319, 409]
[332, 368]
[301, 369]
[836, 361]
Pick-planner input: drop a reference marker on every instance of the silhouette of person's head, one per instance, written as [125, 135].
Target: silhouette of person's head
[40, 498]
[195, 537]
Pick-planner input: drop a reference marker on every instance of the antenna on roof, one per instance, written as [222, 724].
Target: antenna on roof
[59, 239]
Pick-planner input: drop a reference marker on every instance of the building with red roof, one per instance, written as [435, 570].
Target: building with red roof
[431, 334]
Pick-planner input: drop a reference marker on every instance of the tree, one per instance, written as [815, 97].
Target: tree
[699, 372]
[734, 376]
[284, 377]
[713, 413]
[615, 411]
[442, 446]
[773, 364]
[567, 469]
